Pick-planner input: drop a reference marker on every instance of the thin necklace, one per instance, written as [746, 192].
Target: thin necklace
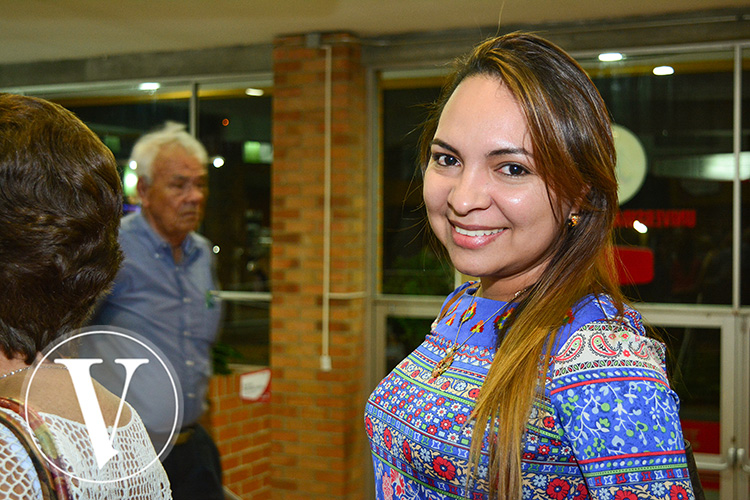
[44, 365]
[450, 353]
[4, 375]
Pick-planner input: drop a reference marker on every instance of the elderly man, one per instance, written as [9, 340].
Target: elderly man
[163, 292]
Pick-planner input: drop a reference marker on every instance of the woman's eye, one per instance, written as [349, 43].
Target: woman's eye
[444, 160]
[514, 169]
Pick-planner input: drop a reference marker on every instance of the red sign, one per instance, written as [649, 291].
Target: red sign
[656, 218]
[635, 265]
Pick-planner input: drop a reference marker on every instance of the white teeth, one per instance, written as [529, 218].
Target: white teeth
[481, 232]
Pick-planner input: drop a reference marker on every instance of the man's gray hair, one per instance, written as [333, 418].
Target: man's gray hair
[148, 147]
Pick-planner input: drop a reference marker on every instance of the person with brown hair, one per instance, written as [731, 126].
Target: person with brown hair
[537, 380]
[60, 205]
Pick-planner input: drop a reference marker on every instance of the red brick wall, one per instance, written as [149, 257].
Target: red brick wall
[317, 438]
[242, 433]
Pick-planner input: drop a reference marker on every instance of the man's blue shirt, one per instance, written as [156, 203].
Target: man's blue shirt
[170, 304]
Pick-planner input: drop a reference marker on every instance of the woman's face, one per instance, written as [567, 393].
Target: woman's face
[485, 200]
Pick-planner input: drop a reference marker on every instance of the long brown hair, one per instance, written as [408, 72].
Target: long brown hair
[575, 156]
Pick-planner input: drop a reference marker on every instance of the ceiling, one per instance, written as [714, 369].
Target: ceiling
[51, 30]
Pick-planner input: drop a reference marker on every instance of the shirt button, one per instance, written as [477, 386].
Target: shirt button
[190, 362]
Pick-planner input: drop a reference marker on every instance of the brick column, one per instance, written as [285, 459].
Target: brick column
[318, 442]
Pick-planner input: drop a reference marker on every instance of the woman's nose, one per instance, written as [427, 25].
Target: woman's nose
[470, 192]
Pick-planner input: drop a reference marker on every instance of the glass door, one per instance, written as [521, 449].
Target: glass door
[706, 367]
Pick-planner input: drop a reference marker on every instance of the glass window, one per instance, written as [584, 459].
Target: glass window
[412, 260]
[673, 124]
[236, 129]
[234, 124]
[120, 114]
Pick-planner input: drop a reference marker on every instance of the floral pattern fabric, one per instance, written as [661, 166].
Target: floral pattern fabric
[606, 428]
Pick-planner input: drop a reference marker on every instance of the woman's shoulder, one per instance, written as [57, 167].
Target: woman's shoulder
[599, 332]
[455, 295]
[597, 309]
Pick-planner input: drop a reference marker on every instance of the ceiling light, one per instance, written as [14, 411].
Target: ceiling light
[610, 57]
[149, 86]
[663, 70]
[254, 92]
[640, 227]
[218, 162]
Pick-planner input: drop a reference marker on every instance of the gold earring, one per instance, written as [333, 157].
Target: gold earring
[573, 220]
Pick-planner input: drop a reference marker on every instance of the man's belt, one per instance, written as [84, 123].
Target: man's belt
[184, 435]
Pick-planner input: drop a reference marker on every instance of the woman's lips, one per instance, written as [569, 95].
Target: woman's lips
[474, 238]
[478, 232]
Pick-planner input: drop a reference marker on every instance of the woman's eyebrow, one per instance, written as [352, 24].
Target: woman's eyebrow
[444, 145]
[509, 151]
[519, 151]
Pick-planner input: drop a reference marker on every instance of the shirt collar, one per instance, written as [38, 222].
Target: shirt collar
[157, 243]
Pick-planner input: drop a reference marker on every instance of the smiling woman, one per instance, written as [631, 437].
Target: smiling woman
[485, 201]
[526, 386]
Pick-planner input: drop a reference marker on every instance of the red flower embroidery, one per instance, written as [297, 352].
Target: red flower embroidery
[625, 495]
[544, 449]
[549, 422]
[388, 438]
[407, 451]
[581, 492]
[474, 393]
[368, 426]
[558, 489]
[387, 488]
[461, 418]
[445, 385]
[444, 468]
[398, 482]
[440, 401]
[446, 424]
[431, 429]
[677, 493]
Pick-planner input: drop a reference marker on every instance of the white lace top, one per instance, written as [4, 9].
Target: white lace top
[73, 443]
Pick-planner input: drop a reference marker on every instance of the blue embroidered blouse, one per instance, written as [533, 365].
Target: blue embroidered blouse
[607, 427]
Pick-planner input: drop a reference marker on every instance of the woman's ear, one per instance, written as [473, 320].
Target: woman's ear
[579, 201]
